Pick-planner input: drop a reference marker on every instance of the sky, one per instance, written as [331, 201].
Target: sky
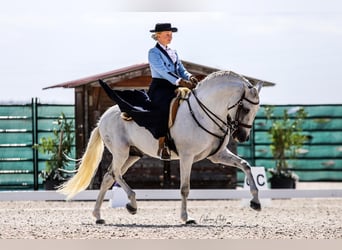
[296, 44]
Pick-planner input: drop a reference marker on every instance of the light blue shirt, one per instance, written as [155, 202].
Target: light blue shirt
[162, 65]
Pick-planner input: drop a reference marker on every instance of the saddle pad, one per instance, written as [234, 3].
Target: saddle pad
[181, 94]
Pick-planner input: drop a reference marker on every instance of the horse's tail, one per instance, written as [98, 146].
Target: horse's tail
[89, 164]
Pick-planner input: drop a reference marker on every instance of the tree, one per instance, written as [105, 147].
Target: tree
[286, 138]
[58, 147]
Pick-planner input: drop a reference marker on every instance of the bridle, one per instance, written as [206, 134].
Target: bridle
[225, 127]
[236, 123]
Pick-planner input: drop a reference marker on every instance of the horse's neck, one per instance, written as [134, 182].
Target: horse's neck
[217, 97]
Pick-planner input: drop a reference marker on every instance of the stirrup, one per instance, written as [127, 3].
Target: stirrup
[165, 154]
[125, 116]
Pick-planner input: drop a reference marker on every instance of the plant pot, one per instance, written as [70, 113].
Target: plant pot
[282, 182]
[52, 184]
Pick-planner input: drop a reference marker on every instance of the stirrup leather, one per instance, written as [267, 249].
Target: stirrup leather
[163, 150]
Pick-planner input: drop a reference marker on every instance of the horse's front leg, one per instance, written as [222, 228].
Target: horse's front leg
[185, 171]
[228, 158]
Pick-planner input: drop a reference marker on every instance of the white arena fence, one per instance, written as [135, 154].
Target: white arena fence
[174, 194]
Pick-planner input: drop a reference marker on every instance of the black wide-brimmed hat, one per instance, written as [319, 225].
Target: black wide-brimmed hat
[164, 27]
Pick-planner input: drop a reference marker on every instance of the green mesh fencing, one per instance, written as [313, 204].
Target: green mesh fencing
[12, 111]
[320, 159]
[22, 126]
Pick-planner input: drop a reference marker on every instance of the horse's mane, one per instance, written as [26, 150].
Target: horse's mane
[227, 74]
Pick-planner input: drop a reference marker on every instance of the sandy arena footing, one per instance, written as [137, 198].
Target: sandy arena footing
[315, 218]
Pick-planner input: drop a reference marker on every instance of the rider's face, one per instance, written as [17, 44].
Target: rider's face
[164, 37]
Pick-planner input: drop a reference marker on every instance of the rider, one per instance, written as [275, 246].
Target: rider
[168, 73]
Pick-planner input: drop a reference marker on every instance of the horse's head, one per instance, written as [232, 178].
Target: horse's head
[242, 114]
[242, 105]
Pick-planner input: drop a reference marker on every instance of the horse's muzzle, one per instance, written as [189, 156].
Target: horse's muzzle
[240, 135]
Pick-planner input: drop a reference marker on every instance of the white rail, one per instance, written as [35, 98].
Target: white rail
[174, 194]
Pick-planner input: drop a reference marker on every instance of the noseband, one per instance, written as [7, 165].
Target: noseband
[230, 125]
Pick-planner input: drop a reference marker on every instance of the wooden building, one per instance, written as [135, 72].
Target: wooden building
[90, 103]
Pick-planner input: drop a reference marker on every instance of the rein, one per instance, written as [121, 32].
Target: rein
[225, 128]
[230, 125]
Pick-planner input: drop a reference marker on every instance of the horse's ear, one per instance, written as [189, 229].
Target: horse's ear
[259, 86]
[254, 92]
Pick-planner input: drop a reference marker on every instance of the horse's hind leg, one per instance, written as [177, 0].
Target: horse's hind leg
[228, 158]
[132, 205]
[107, 182]
[118, 173]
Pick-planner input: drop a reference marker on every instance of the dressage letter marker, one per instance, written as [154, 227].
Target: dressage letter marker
[260, 179]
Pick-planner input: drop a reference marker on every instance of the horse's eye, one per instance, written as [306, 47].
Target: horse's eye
[246, 110]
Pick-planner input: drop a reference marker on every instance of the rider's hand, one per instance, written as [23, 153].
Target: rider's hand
[186, 84]
[194, 80]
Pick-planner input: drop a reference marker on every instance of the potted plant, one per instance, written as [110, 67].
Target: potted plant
[286, 139]
[58, 148]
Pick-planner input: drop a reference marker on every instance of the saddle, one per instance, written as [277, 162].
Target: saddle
[181, 94]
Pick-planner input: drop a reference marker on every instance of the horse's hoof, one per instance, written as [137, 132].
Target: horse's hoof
[191, 222]
[100, 222]
[255, 206]
[130, 209]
